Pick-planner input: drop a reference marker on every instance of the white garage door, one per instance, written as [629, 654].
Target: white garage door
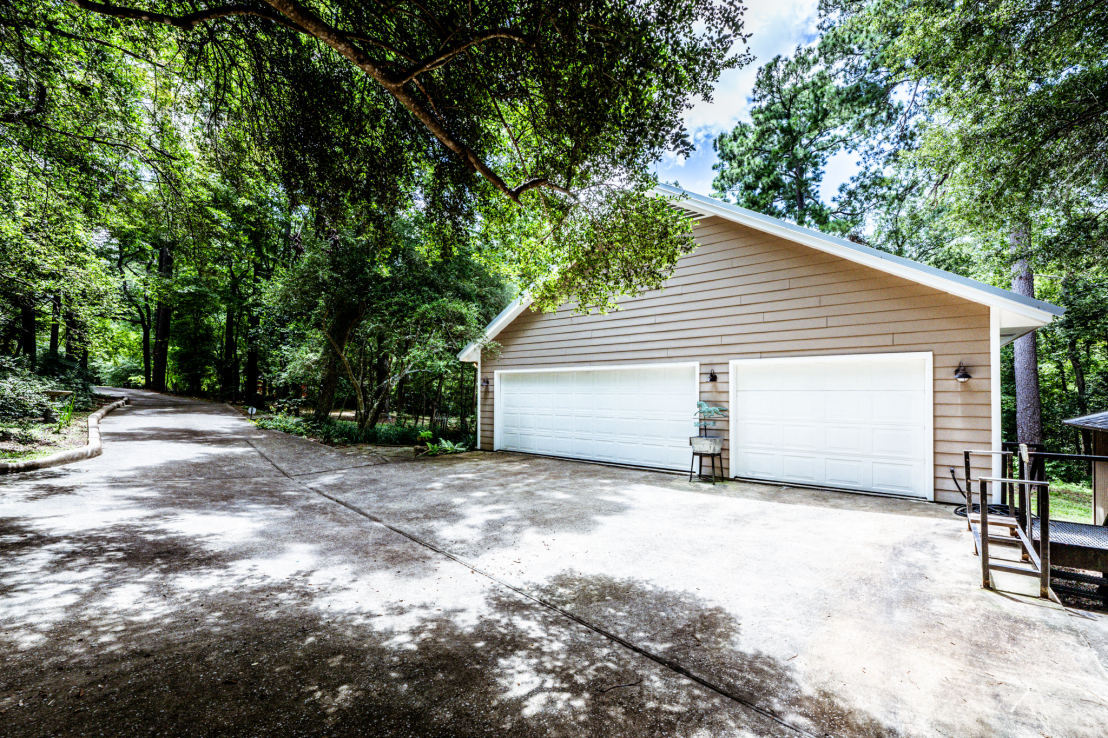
[629, 415]
[857, 422]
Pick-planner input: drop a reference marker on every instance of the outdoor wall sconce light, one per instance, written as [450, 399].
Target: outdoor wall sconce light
[962, 374]
[712, 375]
[485, 382]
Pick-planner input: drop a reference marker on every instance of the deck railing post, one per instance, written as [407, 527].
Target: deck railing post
[969, 490]
[1044, 541]
[985, 579]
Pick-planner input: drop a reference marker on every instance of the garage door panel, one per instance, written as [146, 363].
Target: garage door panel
[896, 407]
[639, 416]
[897, 442]
[846, 472]
[858, 422]
[757, 434]
[796, 437]
[800, 404]
[801, 469]
[891, 477]
[846, 439]
[848, 406]
[759, 464]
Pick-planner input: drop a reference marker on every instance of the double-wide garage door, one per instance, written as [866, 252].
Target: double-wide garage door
[854, 422]
[630, 415]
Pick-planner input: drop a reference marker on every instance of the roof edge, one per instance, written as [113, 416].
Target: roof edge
[1038, 311]
[970, 289]
[472, 351]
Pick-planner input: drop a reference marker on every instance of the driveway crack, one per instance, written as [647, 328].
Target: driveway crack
[657, 658]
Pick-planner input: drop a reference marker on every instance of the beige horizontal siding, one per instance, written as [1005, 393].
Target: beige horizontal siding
[745, 294]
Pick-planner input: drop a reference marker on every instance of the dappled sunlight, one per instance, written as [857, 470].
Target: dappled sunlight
[248, 603]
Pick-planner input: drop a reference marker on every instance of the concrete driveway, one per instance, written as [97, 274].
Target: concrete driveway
[204, 578]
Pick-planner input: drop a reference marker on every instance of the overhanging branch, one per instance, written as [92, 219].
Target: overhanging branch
[439, 60]
[295, 15]
[184, 22]
[38, 107]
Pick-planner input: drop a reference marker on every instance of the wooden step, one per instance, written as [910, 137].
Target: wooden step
[1027, 571]
[1002, 520]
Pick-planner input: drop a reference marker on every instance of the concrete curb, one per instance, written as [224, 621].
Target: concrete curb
[93, 448]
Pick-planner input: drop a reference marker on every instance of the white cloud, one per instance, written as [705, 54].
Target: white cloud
[776, 27]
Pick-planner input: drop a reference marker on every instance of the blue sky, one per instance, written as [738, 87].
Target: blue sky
[777, 27]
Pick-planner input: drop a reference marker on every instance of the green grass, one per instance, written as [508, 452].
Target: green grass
[1073, 502]
[33, 440]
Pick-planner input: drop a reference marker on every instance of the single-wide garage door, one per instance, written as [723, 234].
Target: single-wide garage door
[630, 415]
[856, 422]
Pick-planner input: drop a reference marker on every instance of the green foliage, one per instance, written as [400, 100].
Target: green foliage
[127, 372]
[66, 416]
[22, 394]
[445, 447]
[384, 434]
[802, 115]
[1014, 93]
[516, 115]
[449, 447]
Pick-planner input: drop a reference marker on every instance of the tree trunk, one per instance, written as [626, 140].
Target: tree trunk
[145, 351]
[380, 383]
[72, 336]
[800, 197]
[1029, 416]
[55, 324]
[28, 332]
[163, 314]
[1082, 394]
[437, 402]
[250, 385]
[342, 325]
[230, 380]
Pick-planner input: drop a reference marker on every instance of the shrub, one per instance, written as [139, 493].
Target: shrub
[127, 373]
[285, 424]
[22, 394]
[345, 431]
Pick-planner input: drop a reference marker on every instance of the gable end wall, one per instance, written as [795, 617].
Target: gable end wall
[744, 294]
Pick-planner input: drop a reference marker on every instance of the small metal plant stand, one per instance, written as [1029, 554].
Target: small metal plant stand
[704, 445]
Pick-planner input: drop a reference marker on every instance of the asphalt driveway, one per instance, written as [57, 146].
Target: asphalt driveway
[204, 577]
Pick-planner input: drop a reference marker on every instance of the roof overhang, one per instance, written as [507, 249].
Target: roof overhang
[1019, 315]
[472, 352]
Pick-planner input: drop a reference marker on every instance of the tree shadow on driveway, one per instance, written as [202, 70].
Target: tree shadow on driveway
[135, 633]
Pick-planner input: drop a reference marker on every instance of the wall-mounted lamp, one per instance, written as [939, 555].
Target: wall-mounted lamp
[961, 373]
[712, 375]
[485, 382]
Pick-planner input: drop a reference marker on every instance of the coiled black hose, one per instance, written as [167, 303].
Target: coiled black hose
[993, 509]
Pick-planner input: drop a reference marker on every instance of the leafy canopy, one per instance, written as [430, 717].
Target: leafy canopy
[450, 106]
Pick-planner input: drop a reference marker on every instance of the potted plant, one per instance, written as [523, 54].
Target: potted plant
[705, 418]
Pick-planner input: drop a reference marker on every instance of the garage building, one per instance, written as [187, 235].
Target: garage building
[836, 362]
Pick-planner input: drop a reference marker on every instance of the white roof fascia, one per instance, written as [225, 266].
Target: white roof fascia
[1030, 311]
[1024, 314]
[473, 351]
